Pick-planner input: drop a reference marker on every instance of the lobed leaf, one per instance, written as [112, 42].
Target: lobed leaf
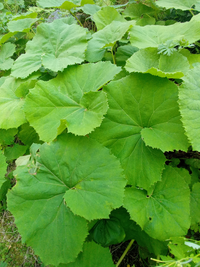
[71, 99]
[143, 112]
[53, 49]
[79, 176]
[155, 35]
[166, 212]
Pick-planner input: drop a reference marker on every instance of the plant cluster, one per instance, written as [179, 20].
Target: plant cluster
[96, 102]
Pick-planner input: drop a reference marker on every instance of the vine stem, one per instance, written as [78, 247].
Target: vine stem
[76, 18]
[191, 12]
[125, 252]
[113, 56]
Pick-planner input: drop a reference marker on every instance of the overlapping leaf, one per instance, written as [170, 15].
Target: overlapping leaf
[105, 16]
[189, 100]
[79, 176]
[53, 49]
[50, 3]
[7, 136]
[105, 38]
[70, 100]
[192, 58]
[137, 10]
[108, 232]
[143, 112]
[6, 51]
[3, 168]
[166, 212]
[149, 61]
[178, 4]
[154, 35]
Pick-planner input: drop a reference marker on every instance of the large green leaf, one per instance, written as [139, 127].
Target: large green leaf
[11, 114]
[105, 16]
[178, 4]
[70, 100]
[3, 168]
[92, 255]
[149, 61]
[6, 51]
[166, 212]
[79, 176]
[195, 204]
[53, 49]
[189, 101]
[143, 112]
[106, 37]
[155, 35]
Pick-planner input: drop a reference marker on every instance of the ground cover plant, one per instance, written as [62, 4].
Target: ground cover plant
[99, 129]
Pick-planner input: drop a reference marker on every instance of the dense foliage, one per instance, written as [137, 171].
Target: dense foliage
[100, 126]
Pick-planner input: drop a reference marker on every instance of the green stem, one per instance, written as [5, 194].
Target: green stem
[113, 56]
[76, 18]
[191, 12]
[125, 252]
